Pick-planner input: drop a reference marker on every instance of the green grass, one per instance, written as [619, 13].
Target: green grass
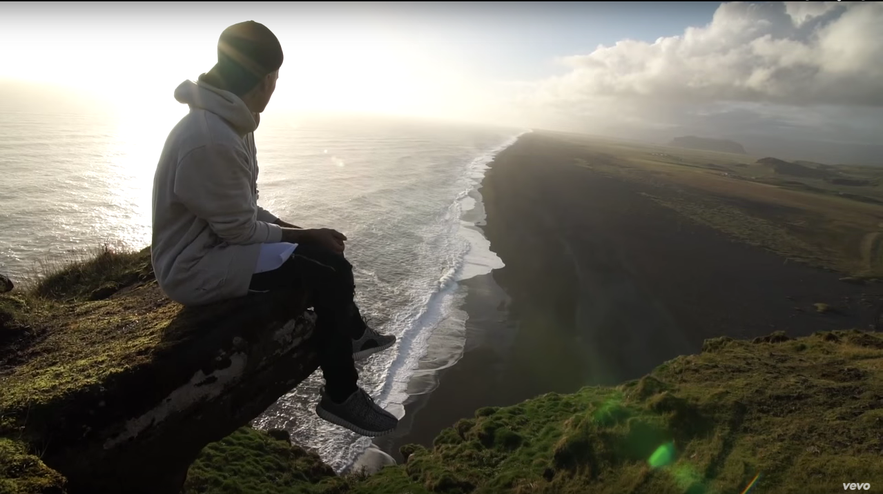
[803, 413]
[95, 276]
[24, 473]
[758, 231]
[252, 461]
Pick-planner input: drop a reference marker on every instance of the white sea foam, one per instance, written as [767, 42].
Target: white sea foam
[479, 259]
[442, 322]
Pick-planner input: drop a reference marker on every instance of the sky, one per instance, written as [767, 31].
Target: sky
[802, 79]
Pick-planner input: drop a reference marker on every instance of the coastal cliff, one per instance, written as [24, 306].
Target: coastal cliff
[773, 414]
[109, 387]
[127, 392]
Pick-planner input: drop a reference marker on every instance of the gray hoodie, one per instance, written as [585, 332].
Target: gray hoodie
[207, 226]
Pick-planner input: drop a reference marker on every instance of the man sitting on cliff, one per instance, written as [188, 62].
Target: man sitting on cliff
[212, 242]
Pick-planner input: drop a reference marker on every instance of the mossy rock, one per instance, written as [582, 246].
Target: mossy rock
[712, 345]
[776, 337]
[253, 461]
[105, 290]
[24, 473]
[118, 388]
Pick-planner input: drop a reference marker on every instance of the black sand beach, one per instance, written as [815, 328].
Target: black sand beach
[601, 285]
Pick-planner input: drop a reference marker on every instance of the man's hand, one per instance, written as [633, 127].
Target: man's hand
[320, 237]
[328, 239]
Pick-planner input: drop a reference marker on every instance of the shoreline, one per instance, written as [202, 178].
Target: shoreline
[448, 341]
[488, 334]
[591, 302]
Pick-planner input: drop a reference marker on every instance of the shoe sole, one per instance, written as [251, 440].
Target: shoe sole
[334, 419]
[362, 355]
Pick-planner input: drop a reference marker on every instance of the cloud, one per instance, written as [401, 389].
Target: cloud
[770, 52]
[803, 12]
[754, 63]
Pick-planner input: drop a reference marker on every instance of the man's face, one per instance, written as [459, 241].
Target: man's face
[269, 86]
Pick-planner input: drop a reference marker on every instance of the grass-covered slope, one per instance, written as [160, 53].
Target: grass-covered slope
[805, 415]
[254, 461]
[23, 473]
[58, 337]
[116, 387]
[64, 334]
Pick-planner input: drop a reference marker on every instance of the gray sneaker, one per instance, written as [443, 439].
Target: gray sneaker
[358, 413]
[370, 343]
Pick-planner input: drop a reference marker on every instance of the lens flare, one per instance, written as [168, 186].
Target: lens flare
[663, 456]
[609, 411]
[751, 484]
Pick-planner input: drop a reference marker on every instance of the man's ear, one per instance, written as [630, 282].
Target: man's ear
[269, 79]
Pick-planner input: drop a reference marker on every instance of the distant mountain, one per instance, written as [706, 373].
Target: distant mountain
[706, 144]
[773, 162]
[793, 169]
[819, 151]
[813, 164]
[809, 169]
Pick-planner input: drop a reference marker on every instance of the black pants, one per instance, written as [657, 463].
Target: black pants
[329, 278]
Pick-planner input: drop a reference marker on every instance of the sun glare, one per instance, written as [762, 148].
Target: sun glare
[327, 68]
[346, 74]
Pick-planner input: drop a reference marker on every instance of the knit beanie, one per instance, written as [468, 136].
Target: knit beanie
[247, 52]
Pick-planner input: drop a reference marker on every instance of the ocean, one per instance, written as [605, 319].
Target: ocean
[404, 192]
